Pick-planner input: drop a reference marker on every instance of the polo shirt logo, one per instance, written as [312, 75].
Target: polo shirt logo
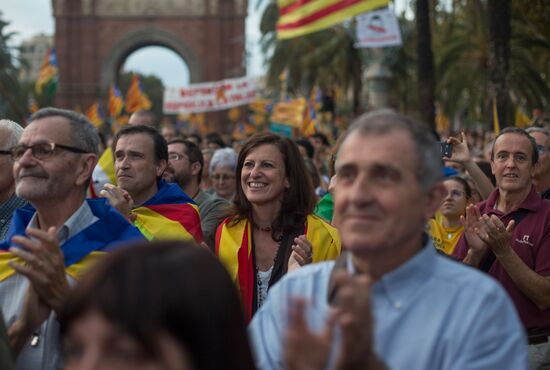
[525, 240]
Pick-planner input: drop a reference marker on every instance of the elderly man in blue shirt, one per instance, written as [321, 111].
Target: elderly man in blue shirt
[390, 301]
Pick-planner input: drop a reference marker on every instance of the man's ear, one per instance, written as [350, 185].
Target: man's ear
[160, 166]
[434, 197]
[85, 169]
[195, 168]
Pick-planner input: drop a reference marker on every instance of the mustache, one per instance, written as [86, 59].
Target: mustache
[33, 172]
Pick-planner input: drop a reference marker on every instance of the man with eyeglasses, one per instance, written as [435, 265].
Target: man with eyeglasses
[541, 177]
[508, 236]
[10, 132]
[185, 165]
[160, 210]
[51, 243]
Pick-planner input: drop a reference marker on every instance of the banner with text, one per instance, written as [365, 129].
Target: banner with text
[378, 29]
[209, 96]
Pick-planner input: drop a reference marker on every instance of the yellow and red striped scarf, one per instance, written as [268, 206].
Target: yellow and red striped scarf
[234, 248]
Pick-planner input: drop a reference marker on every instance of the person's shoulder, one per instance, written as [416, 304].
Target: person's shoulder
[312, 276]
[461, 277]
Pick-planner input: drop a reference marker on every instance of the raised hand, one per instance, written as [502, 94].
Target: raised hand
[302, 253]
[119, 199]
[44, 265]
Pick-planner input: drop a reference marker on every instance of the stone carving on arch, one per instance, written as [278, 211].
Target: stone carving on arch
[146, 36]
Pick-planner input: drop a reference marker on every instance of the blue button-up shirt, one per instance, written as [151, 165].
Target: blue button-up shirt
[431, 313]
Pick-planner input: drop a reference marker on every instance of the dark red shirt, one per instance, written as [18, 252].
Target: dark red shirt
[531, 242]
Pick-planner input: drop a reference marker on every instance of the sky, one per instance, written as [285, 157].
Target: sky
[160, 61]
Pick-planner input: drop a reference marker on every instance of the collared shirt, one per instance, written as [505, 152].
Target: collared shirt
[79, 220]
[431, 313]
[531, 242]
[6, 212]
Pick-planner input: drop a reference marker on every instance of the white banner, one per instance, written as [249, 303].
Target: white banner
[378, 29]
[209, 96]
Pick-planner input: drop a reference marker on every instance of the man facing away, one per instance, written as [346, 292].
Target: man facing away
[158, 209]
[185, 164]
[51, 243]
[390, 301]
[508, 236]
[10, 132]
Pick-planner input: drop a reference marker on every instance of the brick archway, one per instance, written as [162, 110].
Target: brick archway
[94, 37]
[147, 36]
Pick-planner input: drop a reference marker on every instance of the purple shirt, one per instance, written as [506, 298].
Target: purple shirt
[531, 242]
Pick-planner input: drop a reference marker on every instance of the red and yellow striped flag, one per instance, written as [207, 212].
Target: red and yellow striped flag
[234, 249]
[136, 99]
[299, 17]
[169, 214]
[95, 115]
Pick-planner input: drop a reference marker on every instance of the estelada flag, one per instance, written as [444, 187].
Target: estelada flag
[169, 214]
[95, 115]
[48, 73]
[136, 99]
[299, 17]
[116, 102]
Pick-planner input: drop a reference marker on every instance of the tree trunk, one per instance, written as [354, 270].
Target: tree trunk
[499, 54]
[426, 79]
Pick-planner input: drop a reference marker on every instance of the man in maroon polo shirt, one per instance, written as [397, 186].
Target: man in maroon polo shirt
[508, 235]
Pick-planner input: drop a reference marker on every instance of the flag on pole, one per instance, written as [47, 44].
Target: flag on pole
[48, 73]
[116, 102]
[496, 123]
[136, 99]
[299, 17]
[95, 115]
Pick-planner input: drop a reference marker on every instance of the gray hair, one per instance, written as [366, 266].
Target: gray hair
[429, 169]
[226, 157]
[83, 133]
[538, 129]
[14, 132]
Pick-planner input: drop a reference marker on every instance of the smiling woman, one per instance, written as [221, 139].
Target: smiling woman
[272, 230]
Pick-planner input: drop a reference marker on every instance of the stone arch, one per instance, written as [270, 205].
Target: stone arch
[146, 36]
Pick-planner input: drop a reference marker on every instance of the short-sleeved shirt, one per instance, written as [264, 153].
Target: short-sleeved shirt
[531, 242]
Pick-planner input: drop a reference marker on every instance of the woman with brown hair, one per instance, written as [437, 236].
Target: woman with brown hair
[273, 230]
[163, 305]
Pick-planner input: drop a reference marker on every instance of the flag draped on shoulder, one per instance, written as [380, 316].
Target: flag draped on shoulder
[299, 17]
[169, 214]
[136, 99]
[234, 249]
[108, 233]
[48, 73]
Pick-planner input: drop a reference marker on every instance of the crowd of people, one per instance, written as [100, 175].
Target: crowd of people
[161, 250]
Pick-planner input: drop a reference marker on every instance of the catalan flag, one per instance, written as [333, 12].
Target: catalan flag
[136, 99]
[48, 73]
[169, 214]
[299, 17]
[116, 102]
[109, 232]
[522, 120]
[234, 249]
[95, 115]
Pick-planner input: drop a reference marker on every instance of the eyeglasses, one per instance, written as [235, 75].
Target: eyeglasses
[41, 150]
[542, 149]
[222, 177]
[175, 156]
[5, 152]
